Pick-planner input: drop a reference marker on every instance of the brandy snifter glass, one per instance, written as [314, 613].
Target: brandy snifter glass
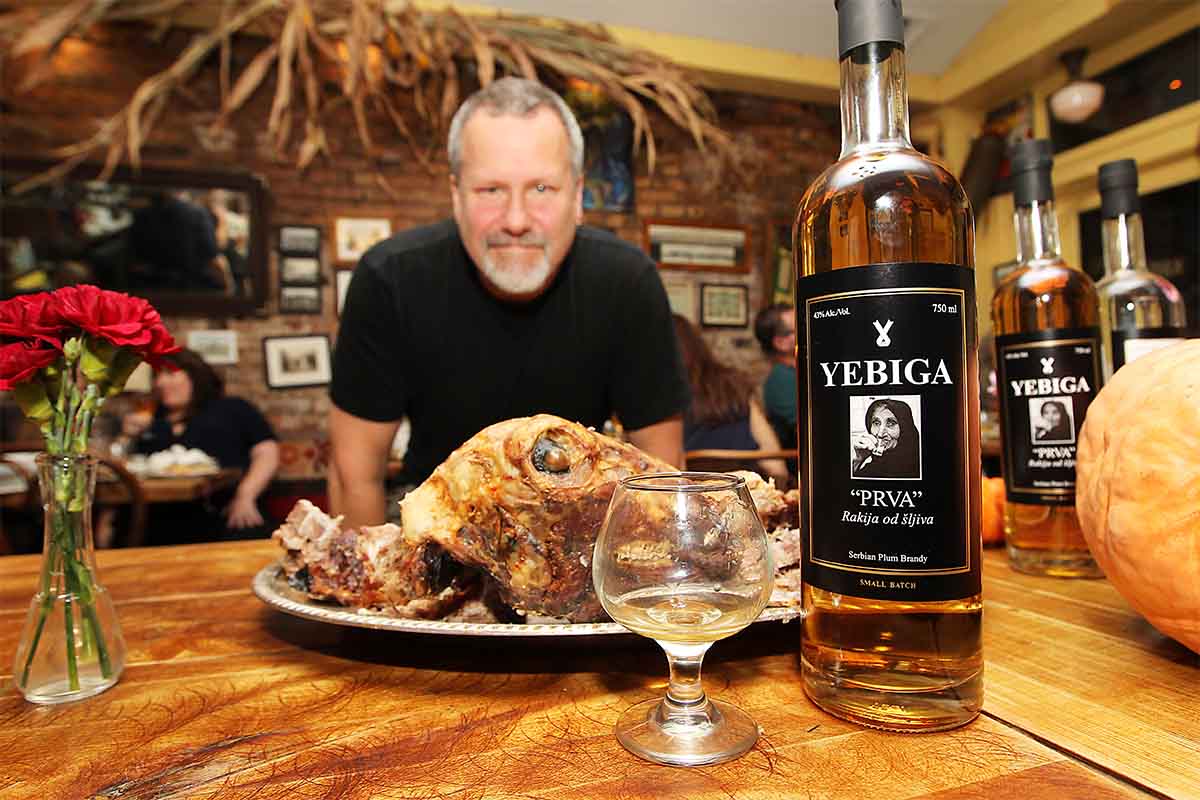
[683, 559]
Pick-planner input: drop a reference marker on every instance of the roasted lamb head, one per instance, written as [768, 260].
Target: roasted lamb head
[523, 500]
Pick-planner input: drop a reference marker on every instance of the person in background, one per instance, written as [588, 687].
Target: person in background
[194, 411]
[509, 309]
[775, 329]
[725, 413]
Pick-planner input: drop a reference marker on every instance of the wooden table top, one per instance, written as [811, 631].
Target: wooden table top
[224, 697]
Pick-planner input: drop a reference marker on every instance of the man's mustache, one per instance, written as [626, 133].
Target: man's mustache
[529, 240]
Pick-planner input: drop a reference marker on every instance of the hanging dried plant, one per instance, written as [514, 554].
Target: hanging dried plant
[379, 49]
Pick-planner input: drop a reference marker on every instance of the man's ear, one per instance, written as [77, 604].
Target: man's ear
[454, 196]
[579, 200]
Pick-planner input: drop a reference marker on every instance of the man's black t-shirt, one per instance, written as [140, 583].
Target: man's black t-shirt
[226, 429]
[421, 336]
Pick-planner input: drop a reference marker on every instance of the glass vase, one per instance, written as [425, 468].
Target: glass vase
[71, 646]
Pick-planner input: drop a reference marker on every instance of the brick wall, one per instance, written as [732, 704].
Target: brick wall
[786, 144]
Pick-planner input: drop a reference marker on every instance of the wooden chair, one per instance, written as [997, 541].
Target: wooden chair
[731, 460]
[134, 495]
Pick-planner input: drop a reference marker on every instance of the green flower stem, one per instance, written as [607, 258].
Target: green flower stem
[46, 604]
[69, 622]
[93, 622]
[64, 530]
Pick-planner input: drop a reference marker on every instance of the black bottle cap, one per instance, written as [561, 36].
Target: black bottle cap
[864, 21]
[1031, 162]
[1118, 188]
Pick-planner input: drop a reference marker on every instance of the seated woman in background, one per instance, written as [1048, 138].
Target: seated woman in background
[724, 413]
[194, 411]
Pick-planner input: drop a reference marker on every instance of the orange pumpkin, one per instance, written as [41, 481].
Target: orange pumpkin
[1138, 487]
[993, 511]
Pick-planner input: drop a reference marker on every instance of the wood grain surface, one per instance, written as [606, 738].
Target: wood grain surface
[226, 698]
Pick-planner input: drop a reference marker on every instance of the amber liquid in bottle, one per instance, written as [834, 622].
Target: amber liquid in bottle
[914, 666]
[1044, 292]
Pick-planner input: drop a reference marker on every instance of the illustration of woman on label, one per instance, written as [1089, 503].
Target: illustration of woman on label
[891, 447]
[1053, 423]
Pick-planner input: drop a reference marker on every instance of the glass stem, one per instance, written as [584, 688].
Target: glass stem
[685, 693]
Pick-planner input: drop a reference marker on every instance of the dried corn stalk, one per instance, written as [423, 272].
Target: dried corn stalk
[379, 49]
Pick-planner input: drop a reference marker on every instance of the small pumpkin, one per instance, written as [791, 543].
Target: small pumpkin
[1138, 487]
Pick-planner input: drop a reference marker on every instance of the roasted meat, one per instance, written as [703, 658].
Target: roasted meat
[513, 513]
[523, 500]
[371, 567]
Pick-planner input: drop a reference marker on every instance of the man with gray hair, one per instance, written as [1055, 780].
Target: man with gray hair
[509, 309]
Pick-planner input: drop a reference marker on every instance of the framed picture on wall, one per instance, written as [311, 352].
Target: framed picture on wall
[724, 306]
[697, 246]
[778, 277]
[300, 299]
[300, 240]
[215, 347]
[681, 294]
[299, 270]
[355, 235]
[296, 361]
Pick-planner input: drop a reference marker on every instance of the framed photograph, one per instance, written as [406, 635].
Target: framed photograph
[343, 283]
[299, 270]
[296, 361]
[681, 294]
[779, 277]
[355, 235]
[724, 306]
[300, 299]
[301, 240]
[689, 245]
[215, 347]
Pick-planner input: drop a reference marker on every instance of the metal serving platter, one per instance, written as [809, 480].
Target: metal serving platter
[271, 586]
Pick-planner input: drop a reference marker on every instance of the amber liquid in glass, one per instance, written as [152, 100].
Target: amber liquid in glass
[899, 666]
[1045, 292]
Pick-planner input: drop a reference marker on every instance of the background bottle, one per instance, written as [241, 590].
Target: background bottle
[1046, 318]
[884, 250]
[1139, 311]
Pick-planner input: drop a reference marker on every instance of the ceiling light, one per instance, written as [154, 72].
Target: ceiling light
[1080, 98]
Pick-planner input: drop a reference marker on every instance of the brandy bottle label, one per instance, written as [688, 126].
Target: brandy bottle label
[888, 387]
[1131, 345]
[1047, 380]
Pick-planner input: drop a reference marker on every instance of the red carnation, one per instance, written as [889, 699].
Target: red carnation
[34, 315]
[119, 318]
[21, 360]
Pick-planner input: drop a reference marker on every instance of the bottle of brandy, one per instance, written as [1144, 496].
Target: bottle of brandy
[1139, 311]
[1046, 317]
[888, 384]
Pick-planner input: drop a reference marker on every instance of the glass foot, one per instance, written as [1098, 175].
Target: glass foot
[712, 732]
